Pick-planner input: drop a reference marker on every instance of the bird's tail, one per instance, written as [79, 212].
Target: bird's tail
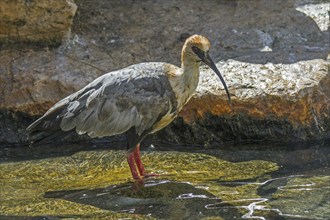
[47, 129]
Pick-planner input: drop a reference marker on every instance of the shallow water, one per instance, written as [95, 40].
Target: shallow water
[241, 182]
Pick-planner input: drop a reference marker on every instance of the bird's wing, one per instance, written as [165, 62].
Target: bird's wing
[137, 96]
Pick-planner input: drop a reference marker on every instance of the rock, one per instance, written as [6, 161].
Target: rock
[36, 20]
[274, 102]
[275, 65]
[36, 80]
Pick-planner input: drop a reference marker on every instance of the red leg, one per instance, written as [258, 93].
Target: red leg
[134, 160]
[137, 158]
[139, 163]
[131, 163]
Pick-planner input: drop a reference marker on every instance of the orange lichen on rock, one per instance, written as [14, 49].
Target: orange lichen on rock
[296, 112]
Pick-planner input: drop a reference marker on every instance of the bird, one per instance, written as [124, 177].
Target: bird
[138, 100]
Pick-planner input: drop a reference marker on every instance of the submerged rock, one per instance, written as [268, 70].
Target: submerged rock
[95, 184]
[303, 197]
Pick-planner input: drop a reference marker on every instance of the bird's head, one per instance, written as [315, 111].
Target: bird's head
[195, 50]
[195, 44]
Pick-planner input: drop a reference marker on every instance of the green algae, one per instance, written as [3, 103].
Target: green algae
[24, 184]
[197, 168]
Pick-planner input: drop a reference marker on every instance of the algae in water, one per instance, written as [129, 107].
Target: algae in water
[25, 183]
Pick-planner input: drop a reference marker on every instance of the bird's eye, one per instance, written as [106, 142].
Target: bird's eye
[194, 49]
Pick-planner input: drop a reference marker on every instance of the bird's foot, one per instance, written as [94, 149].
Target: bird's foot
[136, 165]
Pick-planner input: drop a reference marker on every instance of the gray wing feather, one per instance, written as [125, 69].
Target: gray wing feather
[137, 97]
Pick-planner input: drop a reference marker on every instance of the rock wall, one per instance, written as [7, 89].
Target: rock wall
[272, 54]
[37, 21]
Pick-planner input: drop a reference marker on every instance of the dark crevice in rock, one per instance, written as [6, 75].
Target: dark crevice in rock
[238, 129]
[209, 131]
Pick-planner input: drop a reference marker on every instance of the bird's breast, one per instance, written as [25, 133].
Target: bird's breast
[163, 122]
[183, 82]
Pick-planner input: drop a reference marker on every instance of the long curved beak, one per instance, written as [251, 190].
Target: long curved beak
[205, 57]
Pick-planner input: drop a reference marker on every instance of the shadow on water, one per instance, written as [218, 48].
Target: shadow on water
[158, 198]
[174, 200]
[12, 153]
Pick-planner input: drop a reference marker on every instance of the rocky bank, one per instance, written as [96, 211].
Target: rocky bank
[274, 56]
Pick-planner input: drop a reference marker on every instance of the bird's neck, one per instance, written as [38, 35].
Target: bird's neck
[187, 81]
[190, 74]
